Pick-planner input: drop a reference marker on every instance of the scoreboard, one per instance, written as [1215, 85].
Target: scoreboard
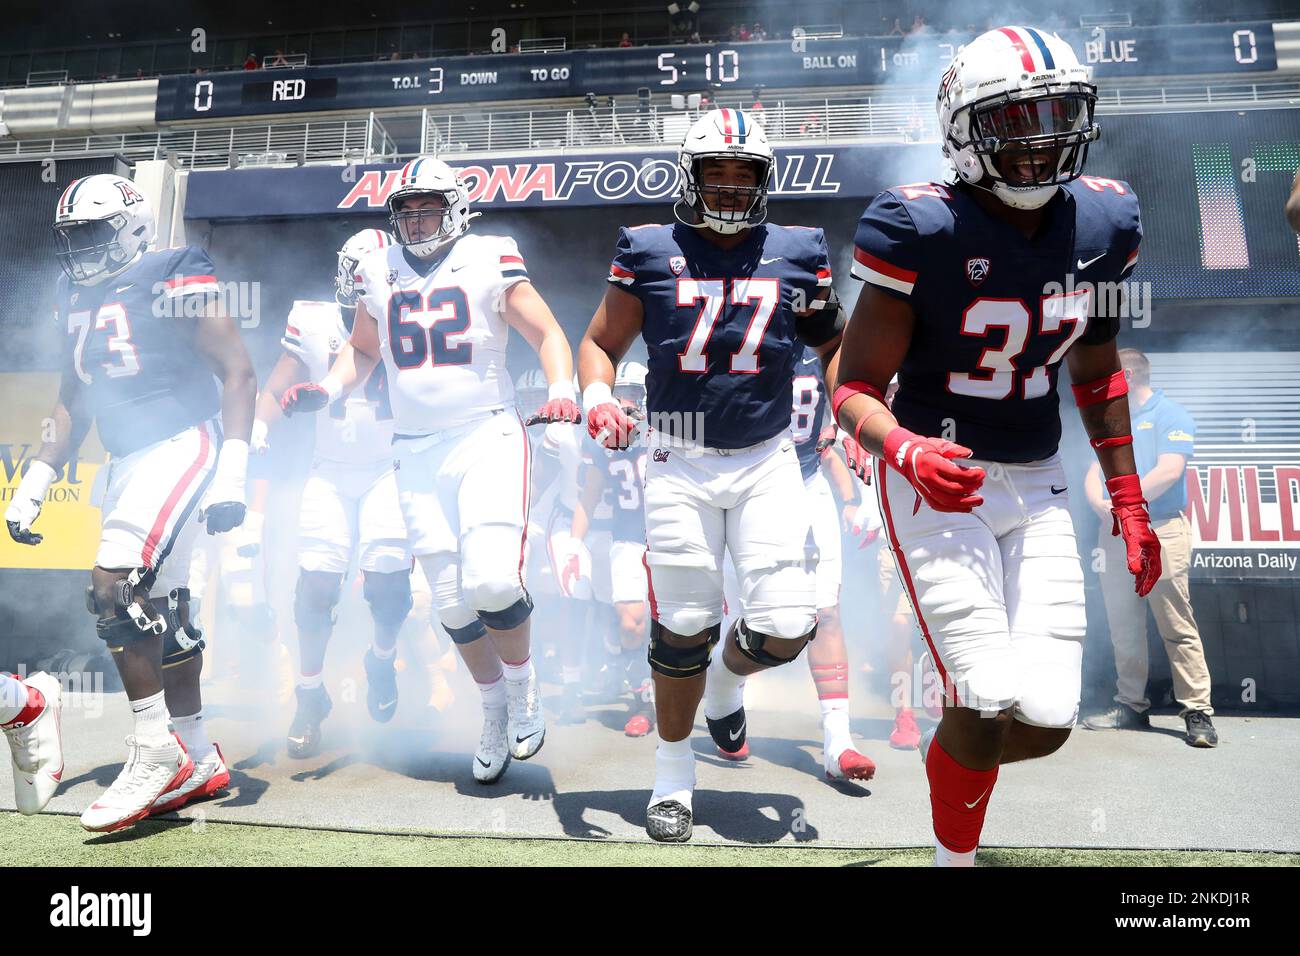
[798, 62]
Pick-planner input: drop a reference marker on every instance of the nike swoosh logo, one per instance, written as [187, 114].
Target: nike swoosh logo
[297, 740]
[1080, 264]
[659, 819]
[391, 703]
[736, 735]
[457, 268]
[767, 261]
[520, 740]
[123, 289]
[1099, 389]
[972, 806]
[485, 766]
[1057, 491]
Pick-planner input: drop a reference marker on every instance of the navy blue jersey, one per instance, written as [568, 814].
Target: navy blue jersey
[808, 413]
[995, 312]
[132, 343]
[720, 325]
[624, 474]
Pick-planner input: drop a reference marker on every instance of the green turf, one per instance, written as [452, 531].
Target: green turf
[60, 839]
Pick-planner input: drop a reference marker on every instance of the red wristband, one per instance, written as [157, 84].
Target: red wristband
[848, 390]
[1101, 390]
[1125, 490]
[1116, 442]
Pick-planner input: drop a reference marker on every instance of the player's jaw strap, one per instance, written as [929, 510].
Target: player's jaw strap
[848, 390]
[1100, 390]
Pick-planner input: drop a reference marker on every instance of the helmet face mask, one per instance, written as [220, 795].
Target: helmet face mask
[1037, 141]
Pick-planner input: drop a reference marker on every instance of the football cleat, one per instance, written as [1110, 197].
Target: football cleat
[304, 733]
[736, 755]
[905, 735]
[848, 764]
[493, 754]
[209, 778]
[36, 748]
[149, 772]
[526, 725]
[381, 687]
[729, 733]
[669, 822]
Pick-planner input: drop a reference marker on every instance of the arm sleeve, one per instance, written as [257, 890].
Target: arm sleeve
[886, 250]
[191, 277]
[627, 259]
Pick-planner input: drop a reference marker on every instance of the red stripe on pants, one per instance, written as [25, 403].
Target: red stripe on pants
[169, 506]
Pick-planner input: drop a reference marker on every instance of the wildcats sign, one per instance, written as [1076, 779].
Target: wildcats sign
[524, 181]
[1237, 531]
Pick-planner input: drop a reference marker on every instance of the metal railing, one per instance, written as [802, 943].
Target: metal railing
[882, 118]
[326, 141]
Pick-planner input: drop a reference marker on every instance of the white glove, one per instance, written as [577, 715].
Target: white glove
[26, 506]
[223, 506]
[866, 521]
[573, 565]
[257, 441]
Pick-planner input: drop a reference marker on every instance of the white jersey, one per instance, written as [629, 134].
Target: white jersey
[357, 428]
[442, 334]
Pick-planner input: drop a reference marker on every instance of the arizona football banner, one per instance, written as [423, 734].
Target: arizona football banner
[1238, 530]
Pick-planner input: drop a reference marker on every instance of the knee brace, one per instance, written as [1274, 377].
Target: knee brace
[675, 660]
[751, 645]
[512, 616]
[468, 634]
[121, 618]
[313, 603]
[183, 640]
[389, 597]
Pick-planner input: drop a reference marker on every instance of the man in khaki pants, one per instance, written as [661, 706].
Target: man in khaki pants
[1163, 437]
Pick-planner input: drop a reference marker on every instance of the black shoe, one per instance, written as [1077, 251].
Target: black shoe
[1200, 730]
[381, 689]
[668, 822]
[728, 732]
[304, 733]
[1119, 717]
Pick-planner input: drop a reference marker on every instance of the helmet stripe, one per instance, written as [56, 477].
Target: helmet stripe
[1026, 58]
[740, 124]
[726, 126]
[1048, 60]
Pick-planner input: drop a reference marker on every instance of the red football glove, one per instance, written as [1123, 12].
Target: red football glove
[556, 410]
[927, 465]
[1129, 509]
[304, 397]
[825, 441]
[858, 459]
[610, 426]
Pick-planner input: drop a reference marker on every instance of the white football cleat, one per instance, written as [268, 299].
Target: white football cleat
[210, 776]
[148, 773]
[37, 749]
[526, 724]
[493, 754]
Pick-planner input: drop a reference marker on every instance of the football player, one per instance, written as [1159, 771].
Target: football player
[977, 291]
[614, 480]
[722, 301]
[30, 721]
[349, 502]
[437, 309]
[145, 336]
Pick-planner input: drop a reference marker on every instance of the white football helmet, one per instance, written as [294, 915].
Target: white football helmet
[531, 391]
[629, 383]
[350, 256]
[427, 176]
[723, 134]
[102, 225]
[1016, 114]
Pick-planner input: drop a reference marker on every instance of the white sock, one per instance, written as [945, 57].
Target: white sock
[570, 675]
[193, 732]
[674, 772]
[310, 681]
[946, 857]
[835, 725]
[494, 694]
[150, 715]
[13, 698]
[518, 673]
[724, 690]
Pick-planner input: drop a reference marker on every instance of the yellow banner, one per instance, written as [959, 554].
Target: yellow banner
[68, 521]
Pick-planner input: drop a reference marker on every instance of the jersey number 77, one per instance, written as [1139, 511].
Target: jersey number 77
[765, 294]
